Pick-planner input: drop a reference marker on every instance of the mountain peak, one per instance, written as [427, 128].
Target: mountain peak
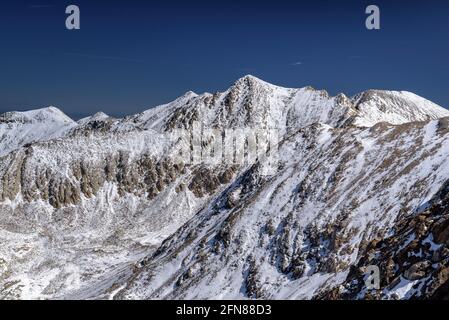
[99, 116]
[20, 128]
[249, 77]
[185, 97]
[134, 211]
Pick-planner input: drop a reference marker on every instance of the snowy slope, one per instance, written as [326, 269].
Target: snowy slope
[394, 107]
[297, 233]
[20, 128]
[98, 208]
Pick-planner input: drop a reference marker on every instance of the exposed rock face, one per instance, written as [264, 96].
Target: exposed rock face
[109, 208]
[25, 175]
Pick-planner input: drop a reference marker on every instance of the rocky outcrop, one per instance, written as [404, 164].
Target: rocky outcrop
[416, 256]
[143, 175]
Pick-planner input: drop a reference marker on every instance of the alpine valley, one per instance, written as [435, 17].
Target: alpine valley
[97, 208]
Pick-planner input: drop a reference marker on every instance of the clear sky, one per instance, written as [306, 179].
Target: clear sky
[132, 55]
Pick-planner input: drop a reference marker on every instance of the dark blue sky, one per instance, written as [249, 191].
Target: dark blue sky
[131, 55]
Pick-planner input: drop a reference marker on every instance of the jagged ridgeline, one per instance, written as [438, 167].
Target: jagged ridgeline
[109, 208]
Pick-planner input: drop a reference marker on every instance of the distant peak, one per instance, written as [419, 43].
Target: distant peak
[250, 82]
[371, 94]
[100, 115]
[190, 94]
[394, 107]
[49, 109]
[50, 113]
[186, 96]
[250, 79]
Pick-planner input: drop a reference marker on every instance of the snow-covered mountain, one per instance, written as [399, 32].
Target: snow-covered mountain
[107, 208]
[20, 128]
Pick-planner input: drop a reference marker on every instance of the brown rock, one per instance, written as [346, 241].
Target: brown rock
[441, 231]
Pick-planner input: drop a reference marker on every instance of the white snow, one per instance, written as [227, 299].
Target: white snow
[334, 169]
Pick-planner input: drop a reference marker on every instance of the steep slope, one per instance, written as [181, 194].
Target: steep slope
[105, 207]
[413, 261]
